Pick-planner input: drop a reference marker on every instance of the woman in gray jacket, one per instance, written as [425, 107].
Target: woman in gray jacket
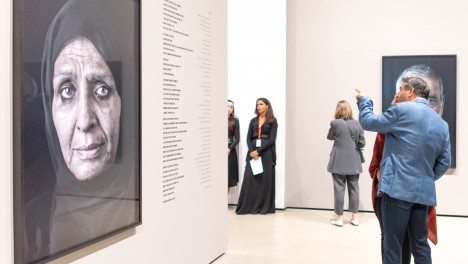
[345, 161]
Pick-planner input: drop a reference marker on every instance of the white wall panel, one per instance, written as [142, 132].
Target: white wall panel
[171, 231]
[6, 147]
[257, 68]
[336, 46]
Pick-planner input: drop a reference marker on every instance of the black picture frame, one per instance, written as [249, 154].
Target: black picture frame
[445, 67]
[77, 141]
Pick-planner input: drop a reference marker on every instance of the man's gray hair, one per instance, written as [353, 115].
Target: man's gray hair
[420, 70]
[419, 85]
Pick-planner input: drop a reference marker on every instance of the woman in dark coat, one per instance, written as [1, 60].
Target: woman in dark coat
[345, 163]
[233, 141]
[257, 194]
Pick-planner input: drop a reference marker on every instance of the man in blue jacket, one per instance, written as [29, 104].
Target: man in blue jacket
[416, 153]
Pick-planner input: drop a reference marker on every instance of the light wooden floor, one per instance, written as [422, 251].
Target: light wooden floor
[295, 236]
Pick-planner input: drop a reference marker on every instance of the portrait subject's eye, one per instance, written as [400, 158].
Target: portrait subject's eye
[103, 92]
[67, 93]
[432, 100]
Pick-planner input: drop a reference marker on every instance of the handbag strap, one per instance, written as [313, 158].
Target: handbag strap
[351, 134]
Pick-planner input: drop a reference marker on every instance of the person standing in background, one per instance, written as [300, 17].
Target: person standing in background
[345, 163]
[233, 141]
[257, 194]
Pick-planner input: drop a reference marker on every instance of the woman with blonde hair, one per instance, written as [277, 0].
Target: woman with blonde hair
[345, 162]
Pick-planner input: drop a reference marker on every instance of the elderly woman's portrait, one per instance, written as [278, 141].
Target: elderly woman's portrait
[85, 109]
[80, 128]
[439, 73]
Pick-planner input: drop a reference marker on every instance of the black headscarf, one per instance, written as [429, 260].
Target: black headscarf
[110, 25]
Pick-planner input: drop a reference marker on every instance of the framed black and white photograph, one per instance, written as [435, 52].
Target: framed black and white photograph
[439, 72]
[77, 128]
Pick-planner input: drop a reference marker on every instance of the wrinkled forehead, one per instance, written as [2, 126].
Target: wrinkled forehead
[81, 48]
[80, 59]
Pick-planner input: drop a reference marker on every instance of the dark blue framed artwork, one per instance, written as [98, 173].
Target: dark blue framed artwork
[439, 72]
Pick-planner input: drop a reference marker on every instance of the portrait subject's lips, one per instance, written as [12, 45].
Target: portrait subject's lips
[88, 152]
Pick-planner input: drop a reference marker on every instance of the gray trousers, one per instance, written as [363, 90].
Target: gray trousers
[339, 186]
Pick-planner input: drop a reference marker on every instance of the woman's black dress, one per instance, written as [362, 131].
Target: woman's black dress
[233, 140]
[257, 194]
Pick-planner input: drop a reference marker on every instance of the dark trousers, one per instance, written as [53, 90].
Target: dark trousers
[406, 248]
[401, 217]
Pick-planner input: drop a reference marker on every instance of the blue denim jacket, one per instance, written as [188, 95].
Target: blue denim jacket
[416, 150]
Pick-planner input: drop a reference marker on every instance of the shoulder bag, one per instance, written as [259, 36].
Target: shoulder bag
[356, 142]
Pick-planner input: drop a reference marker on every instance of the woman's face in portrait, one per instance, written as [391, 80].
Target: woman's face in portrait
[85, 109]
[261, 107]
[230, 108]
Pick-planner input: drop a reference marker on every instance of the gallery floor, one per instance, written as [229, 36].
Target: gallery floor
[296, 236]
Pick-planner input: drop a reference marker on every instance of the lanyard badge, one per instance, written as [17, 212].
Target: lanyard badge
[259, 141]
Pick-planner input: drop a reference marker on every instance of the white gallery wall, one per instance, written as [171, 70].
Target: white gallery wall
[335, 46]
[191, 225]
[257, 68]
[6, 155]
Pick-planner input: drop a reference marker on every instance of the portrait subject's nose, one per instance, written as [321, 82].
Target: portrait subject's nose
[86, 115]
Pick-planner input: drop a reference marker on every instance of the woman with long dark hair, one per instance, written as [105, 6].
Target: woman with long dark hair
[233, 141]
[257, 194]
